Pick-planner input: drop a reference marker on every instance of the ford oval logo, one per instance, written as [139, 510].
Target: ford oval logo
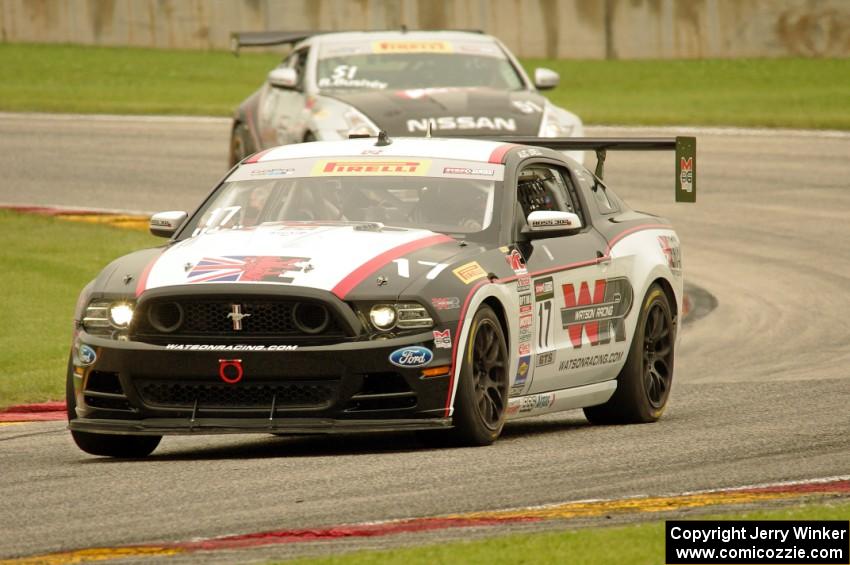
[411, 357]
[87, 355]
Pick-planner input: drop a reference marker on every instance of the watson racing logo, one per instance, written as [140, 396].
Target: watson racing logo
[371, 168]
[598, 315]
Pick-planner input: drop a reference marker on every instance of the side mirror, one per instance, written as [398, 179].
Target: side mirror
[283, 78]
[544, 221]
[164, 224]
[546, 79]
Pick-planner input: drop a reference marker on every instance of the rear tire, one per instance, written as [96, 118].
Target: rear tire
[482, 392]
[107, 445]
[643, 385]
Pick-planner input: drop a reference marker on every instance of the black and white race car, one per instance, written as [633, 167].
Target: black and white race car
[442, 285]
[334, 84]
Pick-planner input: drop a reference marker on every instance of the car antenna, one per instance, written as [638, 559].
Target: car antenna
[403, 28]
[383, 139]
[428, 130]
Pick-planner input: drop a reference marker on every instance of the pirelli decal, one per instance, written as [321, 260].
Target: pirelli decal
[599, 313]
[371, 167]
[411, 47]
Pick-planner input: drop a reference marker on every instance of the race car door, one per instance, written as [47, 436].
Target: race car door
[282, 110]
[573, 301]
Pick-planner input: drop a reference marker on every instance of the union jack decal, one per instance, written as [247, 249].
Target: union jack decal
[246, 268]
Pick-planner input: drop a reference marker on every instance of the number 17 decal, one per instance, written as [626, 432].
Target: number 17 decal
[544, 330]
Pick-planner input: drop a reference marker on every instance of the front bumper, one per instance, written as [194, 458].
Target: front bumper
[139, 388]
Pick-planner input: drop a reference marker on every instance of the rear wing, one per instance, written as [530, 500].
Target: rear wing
[684, 147]
[240, 39]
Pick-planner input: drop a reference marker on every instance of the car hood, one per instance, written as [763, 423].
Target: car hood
[453, 111]
[333, 257]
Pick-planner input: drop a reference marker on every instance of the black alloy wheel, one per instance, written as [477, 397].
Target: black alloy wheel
[657, 355]
[643, 385]
[482, 395]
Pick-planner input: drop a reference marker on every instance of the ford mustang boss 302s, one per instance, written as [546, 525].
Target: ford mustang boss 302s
[334, 84]
[438, 285]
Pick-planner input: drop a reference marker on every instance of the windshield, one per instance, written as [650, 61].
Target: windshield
[451, 206]
[408, 65]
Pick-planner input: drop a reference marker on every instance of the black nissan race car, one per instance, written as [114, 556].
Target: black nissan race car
[335, 84]
[439, 285]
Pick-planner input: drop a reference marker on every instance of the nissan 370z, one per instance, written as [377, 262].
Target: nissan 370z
[437, 285]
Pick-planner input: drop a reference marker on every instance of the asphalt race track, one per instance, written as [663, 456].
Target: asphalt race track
[761, 392]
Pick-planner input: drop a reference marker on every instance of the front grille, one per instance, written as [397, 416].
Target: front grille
[296, 394]
[186, 319]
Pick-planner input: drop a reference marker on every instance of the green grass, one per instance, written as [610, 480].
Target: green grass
[46, 263]
[802, 93]
[635, 544]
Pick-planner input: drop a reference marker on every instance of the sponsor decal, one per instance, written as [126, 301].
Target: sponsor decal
[525, 348]
[411, 357]
[513, 407]
[524, 303]
[525, 153]
[468, 171]
[544, 289]
[371, 168]
[523, 283]
[271, 172]
[590, 361]
[598, 315]
[522, 371]
[232, 347]
[246, 268]
[551, 222]
[670, 247]
[446, 303]
[536, 402]
[87, 355]
[230, 370]
[411, 47]
[545, 358]
[462, 123]
[686, 174]
[469, 272]
[443, 339]
[525, 321]
[516, 262]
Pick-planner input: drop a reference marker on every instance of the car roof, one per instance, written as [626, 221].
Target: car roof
[436, 148]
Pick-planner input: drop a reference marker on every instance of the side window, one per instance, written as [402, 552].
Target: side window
[606, 203]
[542, 187]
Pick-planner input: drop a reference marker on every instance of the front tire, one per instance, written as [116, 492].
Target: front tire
[482, 393]
[643, 385]
[239, 144]
[125, 446]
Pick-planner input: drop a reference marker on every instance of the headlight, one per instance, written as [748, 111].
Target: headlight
[553, 128]
[103, 317]
[404, 316]
[358, 124]
[121, 315]
[383, 317]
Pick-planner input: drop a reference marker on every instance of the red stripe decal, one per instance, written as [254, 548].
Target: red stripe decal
[143, 280]
[498, 154]
[630, 231]
[357, 276]
[256, 156]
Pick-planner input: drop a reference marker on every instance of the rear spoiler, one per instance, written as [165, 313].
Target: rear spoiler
[685, 148]
[240, 39]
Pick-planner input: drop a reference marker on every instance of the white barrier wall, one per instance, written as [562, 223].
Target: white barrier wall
[578, 29]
